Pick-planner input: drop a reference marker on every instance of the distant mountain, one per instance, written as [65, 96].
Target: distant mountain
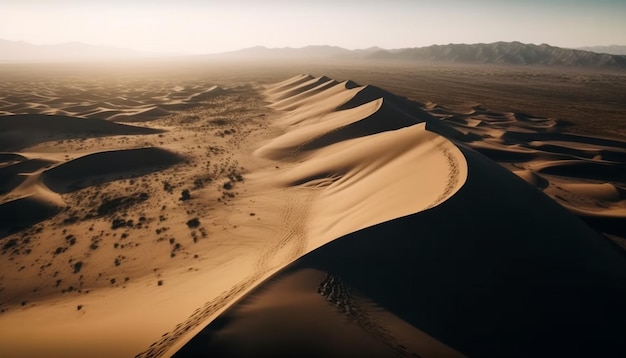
[612, 49]
[505, 53]
[261, 52]
[19, 51]
[316, 52]
[501, 53]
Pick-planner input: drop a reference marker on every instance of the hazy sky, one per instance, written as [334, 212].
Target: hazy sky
[188, 26]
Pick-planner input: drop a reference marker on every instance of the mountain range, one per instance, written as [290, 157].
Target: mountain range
[500, 53]
[611, 49]
[505, 53]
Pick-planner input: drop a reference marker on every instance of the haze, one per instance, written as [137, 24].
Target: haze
[191, 27]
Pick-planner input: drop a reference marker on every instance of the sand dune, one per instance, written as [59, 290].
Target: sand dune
[147, 102]
[24, 212]
[553, 162]
[19, 131]
[302, 95]
[356, 149]
[426, 247]
[13, 174]
[311, 217]
[140, 115]
[105, 166]
[37, 183]
[96, 215]
[288, 83]
[496, 270]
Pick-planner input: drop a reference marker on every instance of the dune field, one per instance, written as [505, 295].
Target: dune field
[282, 215]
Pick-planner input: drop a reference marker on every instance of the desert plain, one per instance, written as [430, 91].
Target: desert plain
[198, 208]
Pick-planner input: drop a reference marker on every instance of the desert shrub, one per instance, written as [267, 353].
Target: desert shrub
[9, 244]
[71, 239]
[185, 195]
[77, 266]
[109, 206]
[193, 223]
[220, 121]
[119, 222]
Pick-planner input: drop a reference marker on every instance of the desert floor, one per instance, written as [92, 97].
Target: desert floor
[154, 208]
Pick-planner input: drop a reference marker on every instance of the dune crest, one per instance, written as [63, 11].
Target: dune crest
[369, 151]
[426, 246]
[143, 103]
[350, 220]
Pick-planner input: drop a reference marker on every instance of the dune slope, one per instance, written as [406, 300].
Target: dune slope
[426, 247]
[23, 130]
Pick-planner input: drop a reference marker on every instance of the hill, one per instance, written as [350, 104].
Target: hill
[504, 53]
[612, 49]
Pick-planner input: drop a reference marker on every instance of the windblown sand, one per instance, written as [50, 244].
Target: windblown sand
[307, 217]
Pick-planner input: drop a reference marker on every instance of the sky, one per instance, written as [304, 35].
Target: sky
[212, 26]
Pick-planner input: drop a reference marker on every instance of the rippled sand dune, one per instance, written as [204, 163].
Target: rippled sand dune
[142, 102]
[309, 217]
[434, 249]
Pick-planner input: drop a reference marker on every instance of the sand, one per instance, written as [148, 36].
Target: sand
[185, 217]
[425, 247]
[95, 235]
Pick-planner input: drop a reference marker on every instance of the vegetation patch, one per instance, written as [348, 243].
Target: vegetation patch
[193, 223]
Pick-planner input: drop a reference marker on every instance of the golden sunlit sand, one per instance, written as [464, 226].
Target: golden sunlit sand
[243, 215]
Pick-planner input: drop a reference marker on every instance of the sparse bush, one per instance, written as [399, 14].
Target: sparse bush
[77, 266]
[110, 206]
[193, 223]
[9, 244]
[70, 239]
[185, 195]
[117, 223]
